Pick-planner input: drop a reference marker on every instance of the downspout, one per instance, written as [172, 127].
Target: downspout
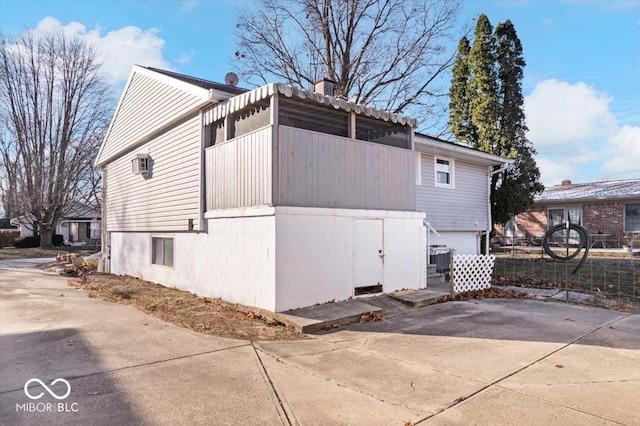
[490, 219]
[430, 229]
[104, 243]
[202, 205]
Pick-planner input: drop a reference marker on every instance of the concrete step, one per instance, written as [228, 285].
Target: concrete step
[327, 315]
[431, 268]
[419, 298]
[436, 278]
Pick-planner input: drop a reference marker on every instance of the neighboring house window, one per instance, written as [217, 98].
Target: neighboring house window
[556, 217]
[418, 168]
[444, 172]
[575, 215]
[632, 217]
[560, 215]
[162, 251]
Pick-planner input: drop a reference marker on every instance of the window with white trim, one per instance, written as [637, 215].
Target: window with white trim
[418, 168]
[632, 217]
[162, 251]
[444, 172]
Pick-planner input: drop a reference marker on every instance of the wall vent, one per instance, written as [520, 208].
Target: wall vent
[141, 165]
[369, 289]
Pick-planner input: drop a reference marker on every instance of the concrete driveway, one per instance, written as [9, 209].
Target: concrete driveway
[481, 362]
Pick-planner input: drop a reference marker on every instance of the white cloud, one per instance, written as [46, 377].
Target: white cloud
[119, 49]
[553, 172]
[624, 153]
[189, 5]
[559, 112]
[577, 136]
[185, 57]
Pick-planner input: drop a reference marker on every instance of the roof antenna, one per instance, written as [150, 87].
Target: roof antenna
[231, 79]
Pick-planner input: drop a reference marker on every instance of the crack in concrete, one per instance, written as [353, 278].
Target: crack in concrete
[495, 382]
[341, 385]
[161, 361]
[404, 361]
[561, 405]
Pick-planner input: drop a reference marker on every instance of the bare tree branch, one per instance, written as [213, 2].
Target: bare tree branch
[54, 103]
[385, 53]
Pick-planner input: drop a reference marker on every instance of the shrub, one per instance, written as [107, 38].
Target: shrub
[58, 240]
[27, 242]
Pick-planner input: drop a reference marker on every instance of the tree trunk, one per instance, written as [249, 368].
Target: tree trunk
[46, 238]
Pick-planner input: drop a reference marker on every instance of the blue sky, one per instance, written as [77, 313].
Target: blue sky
[582, 80]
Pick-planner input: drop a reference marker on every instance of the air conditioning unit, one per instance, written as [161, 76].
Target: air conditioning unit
[141, 165]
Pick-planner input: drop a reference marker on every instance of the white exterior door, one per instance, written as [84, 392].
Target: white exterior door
[368, 252]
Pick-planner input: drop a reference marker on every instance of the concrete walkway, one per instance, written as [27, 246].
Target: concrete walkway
[493, 361]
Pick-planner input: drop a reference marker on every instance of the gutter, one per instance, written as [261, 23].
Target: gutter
[490, 173]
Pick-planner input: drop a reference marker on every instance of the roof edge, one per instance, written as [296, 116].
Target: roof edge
[248, 98]
[459, 148]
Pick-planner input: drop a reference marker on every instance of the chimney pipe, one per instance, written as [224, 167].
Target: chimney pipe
[566, 182]
[325, 87]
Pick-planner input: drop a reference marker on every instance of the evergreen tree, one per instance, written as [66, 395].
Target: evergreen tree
[521, 181]
[460, 115]
[495, 67]
[483, 88]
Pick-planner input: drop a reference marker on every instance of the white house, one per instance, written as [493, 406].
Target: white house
[278, 197]
[80, 225]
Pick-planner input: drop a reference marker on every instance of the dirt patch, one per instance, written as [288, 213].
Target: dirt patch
[184, 309]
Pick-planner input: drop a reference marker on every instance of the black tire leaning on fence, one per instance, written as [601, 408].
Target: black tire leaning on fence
[584, 243]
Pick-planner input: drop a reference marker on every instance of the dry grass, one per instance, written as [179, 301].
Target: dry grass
[184, 309]
[24, 253]
[613, 277]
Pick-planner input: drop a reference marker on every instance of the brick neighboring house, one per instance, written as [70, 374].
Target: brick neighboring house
[610, 211]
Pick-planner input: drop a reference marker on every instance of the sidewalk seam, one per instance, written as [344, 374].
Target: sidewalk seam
[338, 384]
[497, 381]
[113, 370]
[289, 416]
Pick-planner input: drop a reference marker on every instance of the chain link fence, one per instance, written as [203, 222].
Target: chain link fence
[608, 276]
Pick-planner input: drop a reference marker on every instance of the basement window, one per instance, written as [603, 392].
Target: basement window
[162, 251]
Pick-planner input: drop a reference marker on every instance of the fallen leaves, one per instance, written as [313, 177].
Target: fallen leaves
[489, 293]
[205, 315]
[370, 317]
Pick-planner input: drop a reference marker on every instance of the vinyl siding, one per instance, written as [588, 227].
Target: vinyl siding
[320, 170]
[463, 208]
[167, 199]
[238, 172]
[147, 106]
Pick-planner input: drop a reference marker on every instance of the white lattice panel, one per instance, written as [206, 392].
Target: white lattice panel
[472, 271]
